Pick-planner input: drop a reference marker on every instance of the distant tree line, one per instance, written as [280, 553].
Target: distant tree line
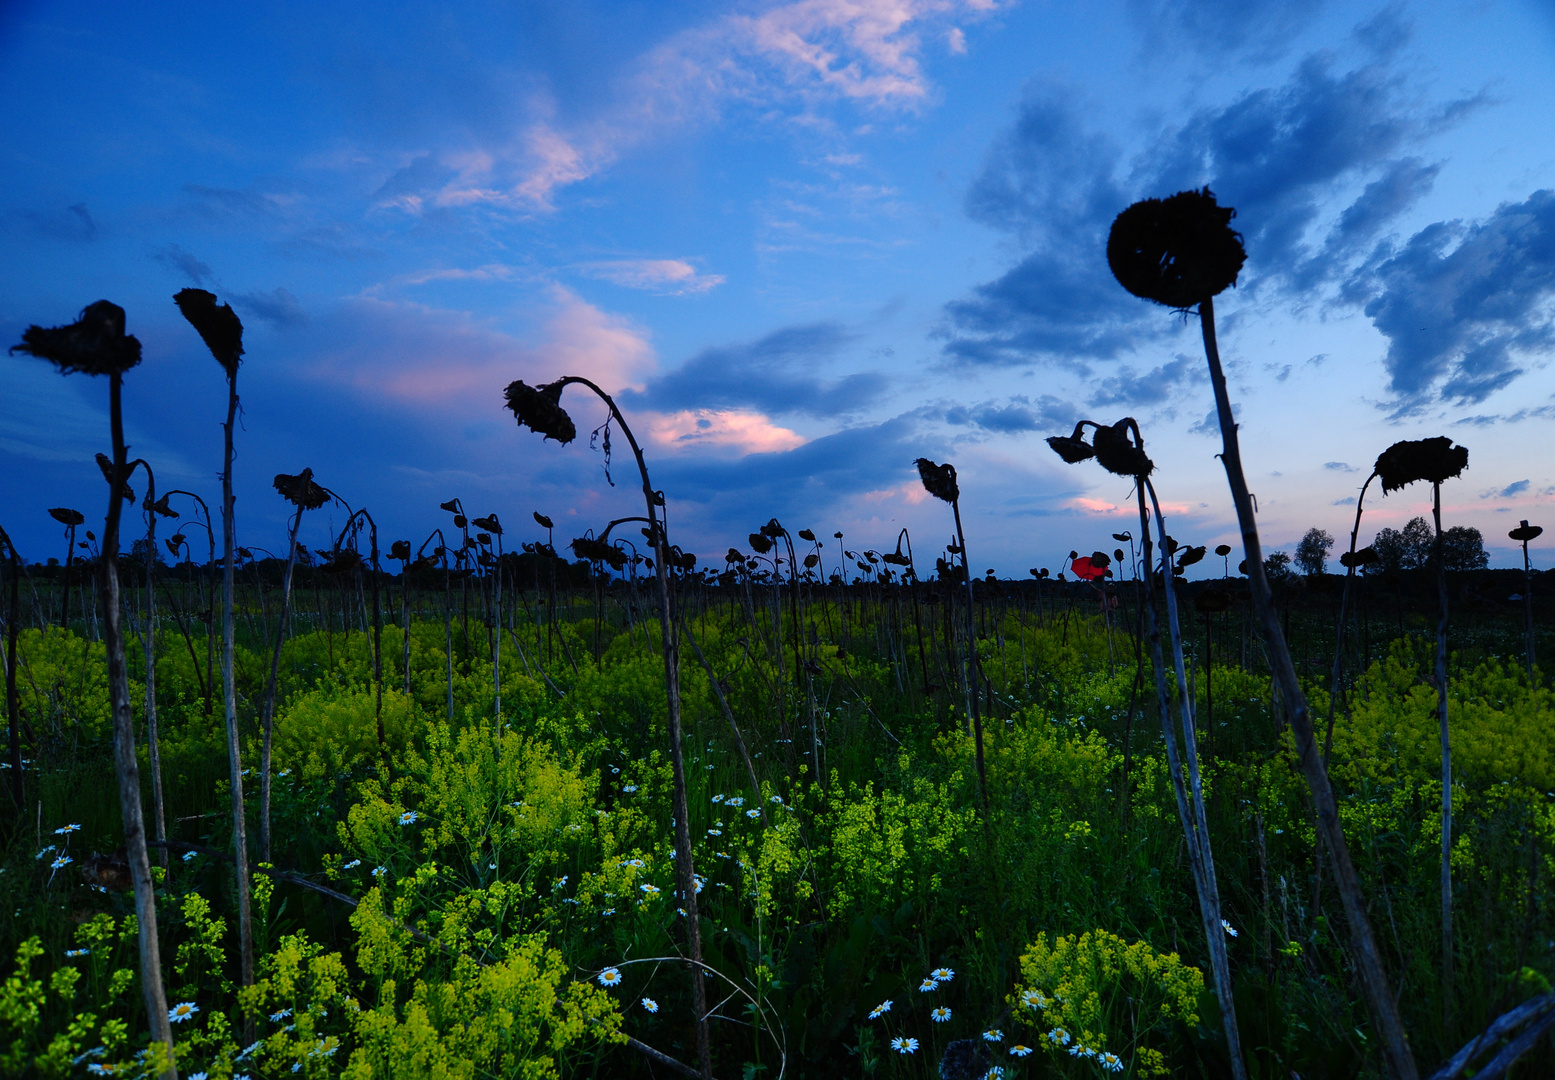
[1409, 548]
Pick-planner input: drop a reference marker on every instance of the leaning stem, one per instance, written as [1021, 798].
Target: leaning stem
[1344, 615]
[972, 688]
[1195, 828]
[269, 707]
[229, 692]
[128, 767]
[1368, 961]
[684, 870]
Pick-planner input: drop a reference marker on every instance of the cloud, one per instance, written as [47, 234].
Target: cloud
[813, 481]
[1280, 155]
[1017, 414]
[1154, 387]
[445, 362]
[1515, 488]
[791, 58]
[1338, 466]
[277, 307]
[1260, 27]
[1464, 306]
[674, 277]
[1542, 412]
[772, 375]
[182, 262]
[732, 430]
[73, 223]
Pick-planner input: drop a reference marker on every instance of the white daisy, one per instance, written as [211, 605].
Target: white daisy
[880, 1010]
[408, 817]
[182, 1011]
[904, 1046]
[651, 1005]
[942, 974]
[940, 1015]
[609, 977]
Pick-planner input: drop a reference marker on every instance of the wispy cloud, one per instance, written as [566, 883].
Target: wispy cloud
[786, 59]
[675, 277]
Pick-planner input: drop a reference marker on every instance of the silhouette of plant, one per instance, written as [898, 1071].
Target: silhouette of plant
[940, 481]
[97, 345]
[222, 332]
[1182, 252]
[1523, 534]
[304, 494]
[1404, 463]
[539, 409]
[1120, 448]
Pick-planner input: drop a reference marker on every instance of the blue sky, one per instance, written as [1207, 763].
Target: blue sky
[805, 242]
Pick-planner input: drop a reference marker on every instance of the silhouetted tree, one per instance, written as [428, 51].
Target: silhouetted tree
[1312, 551]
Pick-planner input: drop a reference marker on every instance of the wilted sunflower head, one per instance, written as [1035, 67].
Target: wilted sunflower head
[490, 524]
[939, 480]
[400, 550]
[95, 343]
[1117, 453]
[1526, 532]
[219, 327]
[300, 490]
[1189, 556]
[542, 521]
[105, 463]
[1177, 251]
[1433, 460]
[1072, 448]
[761, 542]
[1222, 550]
[66, 516]
[1367, 556]
[538, 408]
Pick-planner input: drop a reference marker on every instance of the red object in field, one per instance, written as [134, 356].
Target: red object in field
[1086, 570]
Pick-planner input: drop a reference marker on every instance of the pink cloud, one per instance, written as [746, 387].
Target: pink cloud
[734, 430]
[449, 361]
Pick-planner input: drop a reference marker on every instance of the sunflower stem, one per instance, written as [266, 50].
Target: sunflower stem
[1368, 961]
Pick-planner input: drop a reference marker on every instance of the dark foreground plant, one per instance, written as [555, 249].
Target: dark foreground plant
[1400, 465]
[303, 494]
[1120, 449]
[1522, 534]
[222, 332]
[97, 344]
[1181, 251]
[940, 481]
[539, 409]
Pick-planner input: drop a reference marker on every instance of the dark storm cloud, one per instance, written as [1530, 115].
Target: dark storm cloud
[1277, 154]
[774, 374]
[1462, 306]
[1049, 181]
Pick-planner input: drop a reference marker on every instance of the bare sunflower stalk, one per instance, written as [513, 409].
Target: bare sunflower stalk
[1522, 534]
[1398, 466]
[538, 408]
[1180, 252]
[940, 481]
[304, 494]
[222, 333]
[1119, 448]
[97, 345]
